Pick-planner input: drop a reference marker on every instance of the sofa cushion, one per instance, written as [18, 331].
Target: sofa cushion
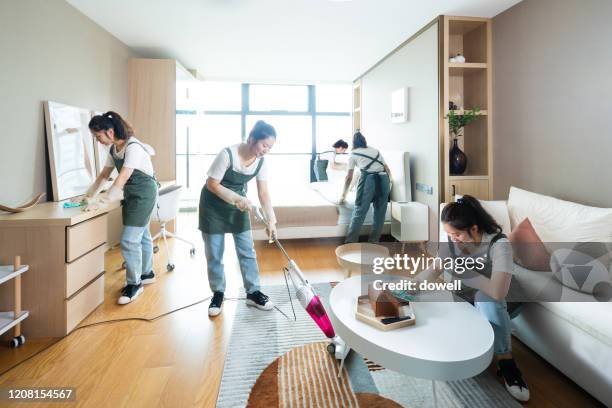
[557, 220]
[592, 317]
[529, 251]
[579, 309]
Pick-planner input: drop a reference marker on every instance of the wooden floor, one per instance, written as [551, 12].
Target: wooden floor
[177, 360]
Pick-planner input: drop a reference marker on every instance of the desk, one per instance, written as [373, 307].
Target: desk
[64, 248]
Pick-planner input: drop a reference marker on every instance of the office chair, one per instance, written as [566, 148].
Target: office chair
[167, 210]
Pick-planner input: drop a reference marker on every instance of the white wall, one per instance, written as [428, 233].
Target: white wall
[414, 66]
[49, 51]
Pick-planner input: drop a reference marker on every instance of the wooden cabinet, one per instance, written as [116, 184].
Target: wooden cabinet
[468, 85]
[477, 187]
[152, 87]
[64, 248]
[356, 106]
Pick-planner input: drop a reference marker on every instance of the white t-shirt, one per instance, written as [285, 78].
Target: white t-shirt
[222, 162]
[361, 162]
[137, 156]
[339, 161]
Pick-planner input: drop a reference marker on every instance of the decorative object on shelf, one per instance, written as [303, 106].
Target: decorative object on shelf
[457, 162]
[452, 60]
[456, 123]
[452, 105]
[399, 105]
[460, 58]
[23, 207]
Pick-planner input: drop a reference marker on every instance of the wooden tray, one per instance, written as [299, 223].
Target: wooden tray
[365, 314]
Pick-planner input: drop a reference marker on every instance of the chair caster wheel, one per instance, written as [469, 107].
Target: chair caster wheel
[155, 249]
[17, 341]
[170, 267]
[192, 252]
[331, 348]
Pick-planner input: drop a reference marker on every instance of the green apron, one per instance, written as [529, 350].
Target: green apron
[139, 194]
[365, 174]
[220, 217]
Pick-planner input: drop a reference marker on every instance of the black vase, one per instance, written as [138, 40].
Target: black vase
[457, 159]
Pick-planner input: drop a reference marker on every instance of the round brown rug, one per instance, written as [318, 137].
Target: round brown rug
[307, 376]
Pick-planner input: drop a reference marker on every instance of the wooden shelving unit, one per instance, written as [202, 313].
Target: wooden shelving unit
[12, 319]
[356, 106]
[468, 85]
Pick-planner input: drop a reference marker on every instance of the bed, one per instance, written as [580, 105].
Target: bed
[310, 210]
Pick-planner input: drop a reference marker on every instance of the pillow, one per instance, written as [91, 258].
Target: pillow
[529, 251]
[587, 272]
[558, 220]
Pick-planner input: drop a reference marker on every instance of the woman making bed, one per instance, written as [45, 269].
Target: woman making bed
[373, 188]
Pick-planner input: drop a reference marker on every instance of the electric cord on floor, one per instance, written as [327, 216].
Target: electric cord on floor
[125, 319]
[139, 319]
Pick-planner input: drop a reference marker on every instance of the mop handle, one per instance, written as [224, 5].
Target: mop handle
[259, 215]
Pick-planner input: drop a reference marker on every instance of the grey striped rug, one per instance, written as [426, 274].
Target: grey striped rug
[259, 337]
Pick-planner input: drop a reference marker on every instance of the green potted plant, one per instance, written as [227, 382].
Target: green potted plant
[456, 123]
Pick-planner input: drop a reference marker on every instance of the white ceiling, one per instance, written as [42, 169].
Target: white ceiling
[291, 40]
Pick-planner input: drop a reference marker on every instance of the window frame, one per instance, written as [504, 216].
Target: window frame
[246, 111]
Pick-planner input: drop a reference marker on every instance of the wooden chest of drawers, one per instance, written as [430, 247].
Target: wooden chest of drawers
[65, 250]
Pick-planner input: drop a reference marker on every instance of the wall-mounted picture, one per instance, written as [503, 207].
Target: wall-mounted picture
[399, 105]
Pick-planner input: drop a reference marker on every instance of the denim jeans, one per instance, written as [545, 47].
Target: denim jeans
[137, 251]
[380, 201]
[214, 246]
[496, 313]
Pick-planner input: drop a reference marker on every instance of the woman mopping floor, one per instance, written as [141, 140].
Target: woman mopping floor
[224, 209]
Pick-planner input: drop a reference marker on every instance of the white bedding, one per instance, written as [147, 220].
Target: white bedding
[303, 204]
[331, 192]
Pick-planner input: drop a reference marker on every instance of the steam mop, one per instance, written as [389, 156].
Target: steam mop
[309, 299]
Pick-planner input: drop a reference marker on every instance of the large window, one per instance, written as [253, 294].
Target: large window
[212, 115]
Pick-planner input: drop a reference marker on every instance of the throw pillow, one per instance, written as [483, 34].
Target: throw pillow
[529, 251]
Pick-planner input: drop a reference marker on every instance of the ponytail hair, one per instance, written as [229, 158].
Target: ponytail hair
[467, 212]
[262, 130]
[359, 141]
[111, 120]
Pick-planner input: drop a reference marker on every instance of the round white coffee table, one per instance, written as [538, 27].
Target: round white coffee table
[450, 340]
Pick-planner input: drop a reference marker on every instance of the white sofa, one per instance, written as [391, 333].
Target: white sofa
[575, 337]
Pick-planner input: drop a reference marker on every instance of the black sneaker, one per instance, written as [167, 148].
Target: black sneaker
[147, 278]
[216, 304]
[129, 293]
[513, 379]
[259, 300]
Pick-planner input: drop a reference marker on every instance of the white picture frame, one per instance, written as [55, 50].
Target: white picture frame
[399, 105]
[70, 144]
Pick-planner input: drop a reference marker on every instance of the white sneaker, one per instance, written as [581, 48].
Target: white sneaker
[216, 304]
[513, 379]
[129, 293]
[259, 300]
